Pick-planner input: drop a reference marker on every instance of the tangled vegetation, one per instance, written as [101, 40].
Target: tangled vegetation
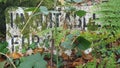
[97, 47]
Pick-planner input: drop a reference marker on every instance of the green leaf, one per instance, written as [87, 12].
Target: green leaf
[91, 64]
[40, 64]
[33, 61]
[67, 44]
[24, 50]
[70, 36]
[3, 47]
[44, 10]
[31, 9]
[80, 13]
[82, 43]
[33, 45]
[46, 43]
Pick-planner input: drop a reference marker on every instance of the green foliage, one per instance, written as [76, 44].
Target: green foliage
[91, 64]
[80, 13]
[2, 64]
[33, 45]
[111, 62]
[91, 26]
[118, 51]
[67, 44]
[109, 15]
[108, 62]
[31, 9]
[81, 43]
[48, 3]
[44, 10]
[60, 35]
[3, 46]
[33, 61]
[3, 1]
[80, 66]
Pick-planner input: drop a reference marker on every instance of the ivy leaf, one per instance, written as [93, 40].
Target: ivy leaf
[80, 13]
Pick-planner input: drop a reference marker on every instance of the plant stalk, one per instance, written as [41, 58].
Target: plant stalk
[31, 16]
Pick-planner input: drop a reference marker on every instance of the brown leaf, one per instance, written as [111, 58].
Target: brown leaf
[16, 55]
[38, 50]
[63, 39]
[2, 59]
[65, 56]
[87, 56]
[77, 62]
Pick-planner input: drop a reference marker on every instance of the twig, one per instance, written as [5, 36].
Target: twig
[8, 59]
[31, 16]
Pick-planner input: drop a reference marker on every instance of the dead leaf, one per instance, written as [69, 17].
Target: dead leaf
[16, 55]
[65, 56]
[77, 62]
[2, 58]
[88, 57]
[63, 39]
[38, 50]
